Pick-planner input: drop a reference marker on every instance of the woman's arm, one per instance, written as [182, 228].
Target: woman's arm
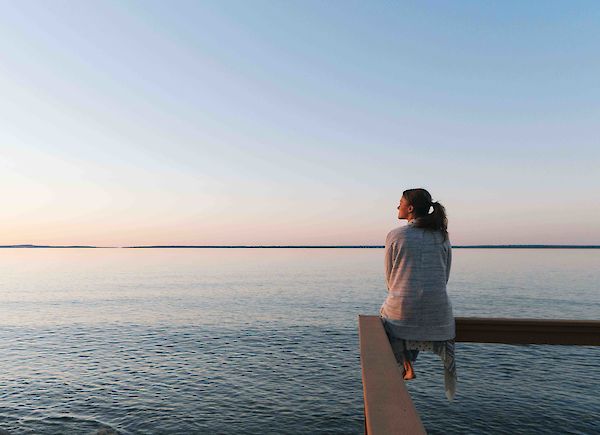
[389, 261]
[448, 262]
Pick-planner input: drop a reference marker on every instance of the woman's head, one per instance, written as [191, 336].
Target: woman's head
[416, 203]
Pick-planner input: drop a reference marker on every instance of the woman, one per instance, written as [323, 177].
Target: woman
[417, 313]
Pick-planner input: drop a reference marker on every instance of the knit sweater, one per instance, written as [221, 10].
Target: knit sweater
[417, 267]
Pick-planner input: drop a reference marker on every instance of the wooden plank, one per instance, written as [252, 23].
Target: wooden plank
[528, 331]
[389, 409]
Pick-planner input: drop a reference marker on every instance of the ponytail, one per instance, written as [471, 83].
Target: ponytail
[436, 220]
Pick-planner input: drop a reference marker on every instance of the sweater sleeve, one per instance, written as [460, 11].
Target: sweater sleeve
[448, 262]
[389, 261]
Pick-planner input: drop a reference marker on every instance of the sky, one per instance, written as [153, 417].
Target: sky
[297, 122]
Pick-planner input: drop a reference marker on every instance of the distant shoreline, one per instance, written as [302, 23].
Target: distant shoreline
[52, 246]
[294, 247]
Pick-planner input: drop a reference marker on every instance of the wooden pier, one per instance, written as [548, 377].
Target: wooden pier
[389, 408]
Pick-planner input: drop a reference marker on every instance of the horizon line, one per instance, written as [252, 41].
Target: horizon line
[480, 246]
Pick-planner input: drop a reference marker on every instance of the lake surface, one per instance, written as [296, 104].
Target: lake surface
[266, 341]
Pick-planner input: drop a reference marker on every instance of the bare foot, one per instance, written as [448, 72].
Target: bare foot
[409, 373]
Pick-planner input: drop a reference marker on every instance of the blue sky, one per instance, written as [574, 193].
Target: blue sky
[271, 122]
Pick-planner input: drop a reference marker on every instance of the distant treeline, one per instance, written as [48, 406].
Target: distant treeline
[261, 246]
[307, 246]
[526, 246]
[361, 246]
[46, 246]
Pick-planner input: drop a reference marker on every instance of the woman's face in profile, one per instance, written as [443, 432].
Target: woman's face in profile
[404, 209]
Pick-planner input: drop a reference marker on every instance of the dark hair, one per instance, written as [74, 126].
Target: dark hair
[420, 199]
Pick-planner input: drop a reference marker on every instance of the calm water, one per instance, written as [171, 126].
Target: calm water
[265, 341]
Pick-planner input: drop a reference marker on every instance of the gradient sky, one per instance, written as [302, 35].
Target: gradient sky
[297, 122]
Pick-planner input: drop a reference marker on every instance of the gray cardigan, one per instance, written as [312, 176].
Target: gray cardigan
[417, 267]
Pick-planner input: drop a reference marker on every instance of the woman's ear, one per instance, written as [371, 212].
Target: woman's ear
[410, 209]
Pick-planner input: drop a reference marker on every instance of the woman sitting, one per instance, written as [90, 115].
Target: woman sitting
[417, 313]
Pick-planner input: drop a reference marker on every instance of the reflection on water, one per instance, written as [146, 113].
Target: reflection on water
[255, 341]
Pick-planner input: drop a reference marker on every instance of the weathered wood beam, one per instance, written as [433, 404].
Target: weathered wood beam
[528, 331]
[389, 410]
